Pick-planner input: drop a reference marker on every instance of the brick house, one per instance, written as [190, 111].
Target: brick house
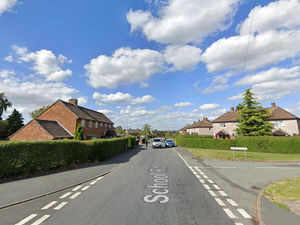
[284, 123]
[60, 121]
[201, 127]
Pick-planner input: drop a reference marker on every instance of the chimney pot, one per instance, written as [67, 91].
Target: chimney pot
[73, 101]
[273, 105]
[232, 109]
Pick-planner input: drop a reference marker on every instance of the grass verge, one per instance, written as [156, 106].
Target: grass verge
[239, 155]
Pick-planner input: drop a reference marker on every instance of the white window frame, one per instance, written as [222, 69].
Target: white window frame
[105, 125]
[101, 124]
[96, 124]
[279, 123]
[83, 123]
[109, 125]
[223, 124]
[90, 123]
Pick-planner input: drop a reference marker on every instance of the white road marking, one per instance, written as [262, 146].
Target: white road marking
[220, 202]
[244, 213]
[65, 195]
[223, 193]
[202, 173]
[85, 188]
[40, 220]
[198, 176]
[205, 176]
[233, 203]
[212, 193]
[49, 205]
[216, 187]
[75, 195]
[202, 181]
[60, 205]
[239, 224]
[93, 182]
[274, 167]
[99, 178]
[78, 187]
[206, 186]
[229, 213]
[210, 181]
[28, 218]
[195, 173]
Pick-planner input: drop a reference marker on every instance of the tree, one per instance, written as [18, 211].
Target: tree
[146, 129]
[253, 117]
[119, 130]
[4, 104]
[15, 121]
[79, 133]
[38, 111]
[4, 129]
[239, 106]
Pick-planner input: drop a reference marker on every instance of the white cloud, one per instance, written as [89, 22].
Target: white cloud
[214, 88]
[7, 5]
[120, 97]
[45, 63]
[183, 57]
[183, 104]
[8, 58]
[100, 104]
[181, 21]
[136, 112]
[6, 73]
[82, 100]
[264, 49]
[126, 66]
[209, 106]
[276, 15]
[213, 115]
[236, 97]
[106, 111]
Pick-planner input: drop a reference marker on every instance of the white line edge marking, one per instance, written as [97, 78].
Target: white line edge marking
[212, 193]
[206, 177]
[60, 205]
[223, 193]
[229, 213]
[270, 167]
[198, 176]
[93, 182]
[202, 181]
[85, 188]
[210, 181]
[49, 205]
[206, 186]
[216, 187]
[40, 220]
[239, 224]
[244, 213]
[220, 202]
[99, 178]
[65, 195]
[233, 203]
[28, 218]
[75, 195]
[78, 187]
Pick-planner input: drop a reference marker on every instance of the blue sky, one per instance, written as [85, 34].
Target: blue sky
[162, 62]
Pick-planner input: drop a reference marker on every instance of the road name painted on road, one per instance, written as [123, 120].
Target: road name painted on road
[159, 188]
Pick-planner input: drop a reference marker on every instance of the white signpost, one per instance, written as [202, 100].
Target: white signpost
[239, 149]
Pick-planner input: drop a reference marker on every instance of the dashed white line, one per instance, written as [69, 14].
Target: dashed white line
[60, 205]
[93, 182]
[206, 186]
[210, 181]
[28, 218]
[244, 213]
[223, 193]
[198, 176]
[206, 177]
[216, 187]
[65, 195]
[273, 167]
[75, 195]
[85, 188]
[229, 213]
[40, 220]
[202, 181]
[220, 202]
[202, 173]
[195, 173]
[239, 224]
[212, 193]
[78, 187]
[49, 205]
[233, 203]
[99, 178]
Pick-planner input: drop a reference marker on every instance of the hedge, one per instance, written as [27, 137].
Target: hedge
[24, 158]
[256, 144]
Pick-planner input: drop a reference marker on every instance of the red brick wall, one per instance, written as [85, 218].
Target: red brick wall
[31, 132]
[59, 112]
[98, 132]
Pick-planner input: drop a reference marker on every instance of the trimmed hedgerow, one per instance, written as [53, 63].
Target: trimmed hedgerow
[256, 144]
[131, 142]
[24, 158]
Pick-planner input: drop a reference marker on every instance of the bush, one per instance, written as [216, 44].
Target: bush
[29, 157]
[131, 142]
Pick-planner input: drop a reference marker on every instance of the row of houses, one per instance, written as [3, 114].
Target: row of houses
[284, 124]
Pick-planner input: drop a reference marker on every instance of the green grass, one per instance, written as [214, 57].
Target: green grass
[286, 190]
[239, 155]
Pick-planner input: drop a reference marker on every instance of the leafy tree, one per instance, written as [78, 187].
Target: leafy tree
[38, 111]
[253, 118]
[15, 121]
[79, 133]
[146, 129]
[4, 104]
[4, 129]
[119, 130]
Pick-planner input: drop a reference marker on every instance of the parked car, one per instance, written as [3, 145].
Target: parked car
[170, 143]
[158, 143]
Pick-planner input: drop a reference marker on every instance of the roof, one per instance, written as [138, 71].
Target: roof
[276, 113]
[185, 127]
[201, 124]
[54, 128]
[87, 114]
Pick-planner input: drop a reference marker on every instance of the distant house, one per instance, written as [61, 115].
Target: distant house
[134, 132]
[201, 127]
[183, 130]
[60, 121]
[284, 123]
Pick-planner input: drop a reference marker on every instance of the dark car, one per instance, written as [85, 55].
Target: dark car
[170, 143]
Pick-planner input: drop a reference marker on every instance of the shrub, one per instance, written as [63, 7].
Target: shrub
[131, 142]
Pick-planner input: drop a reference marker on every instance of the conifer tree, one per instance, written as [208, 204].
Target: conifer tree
[15, 121]
[79, 133]
[253, 117]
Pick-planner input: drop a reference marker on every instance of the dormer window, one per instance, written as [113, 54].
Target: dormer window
[83, 123]
[91, 124]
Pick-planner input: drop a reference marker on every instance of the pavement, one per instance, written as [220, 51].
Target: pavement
[150, 186]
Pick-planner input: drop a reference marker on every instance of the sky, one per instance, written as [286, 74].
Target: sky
[162, 62]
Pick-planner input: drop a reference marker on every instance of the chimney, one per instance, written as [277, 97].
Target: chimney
[231, 109]
[73, 101]
[205, 119]
[273, 105]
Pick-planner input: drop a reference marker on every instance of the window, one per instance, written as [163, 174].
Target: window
[279, 123]
[91, 124]
[96, 124]
[105, 125]
[209, 128]
[101, 124]
[109, 126]
[223, 125]
[83, 123]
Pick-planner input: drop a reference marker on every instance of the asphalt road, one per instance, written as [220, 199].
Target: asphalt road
[156, 186]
